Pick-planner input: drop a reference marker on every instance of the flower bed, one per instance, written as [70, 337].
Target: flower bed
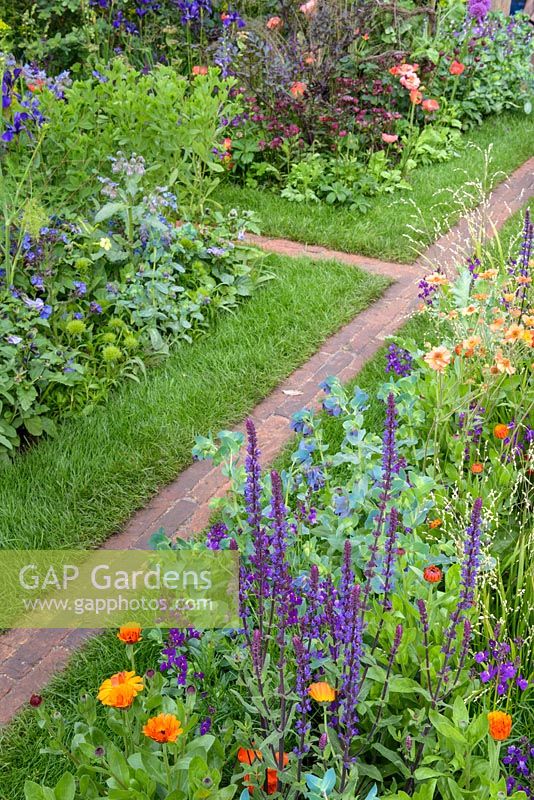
[385, 591]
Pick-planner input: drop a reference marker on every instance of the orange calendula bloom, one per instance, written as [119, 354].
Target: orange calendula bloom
[322, 692]
[436, 523]
[501, 431]
[120, 690]
[438, 358]
[130, 633]
[163, 728]
[432, 574]
[500, 725]
[477, 468]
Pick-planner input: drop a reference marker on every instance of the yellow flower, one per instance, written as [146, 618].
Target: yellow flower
[105, 243]
[120, 690]
[322, 692]
[4, 26]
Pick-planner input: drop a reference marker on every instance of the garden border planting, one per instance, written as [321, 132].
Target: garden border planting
[30, 659]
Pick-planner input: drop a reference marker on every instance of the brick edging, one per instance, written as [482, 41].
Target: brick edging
[30, 658]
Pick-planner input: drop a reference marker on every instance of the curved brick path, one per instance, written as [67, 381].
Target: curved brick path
[28, 659]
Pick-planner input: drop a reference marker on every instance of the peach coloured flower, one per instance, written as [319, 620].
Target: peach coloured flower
[120, 690]
[509, 297]
[163, 728]
[524, 279]
[416, 97]
[298, 88]
[501, 431]
[410, 81]
[453, 314]
[437, 279]
[480, 296]
[496, 324]
[469, 310]
[503, 364]
[130, 633]
[500, 725]
[390, 138]
[432, 574]
[477, 468]
[309, 8]
[309, 59]
[438, 358]
[227, 143]
[273, 23]
[430, 105]
[514, 312]
[471, 342]
[488, 274]
[529, 321]
[199, 70]
[456, 68]
[513, 333]
[37, 85]
[322, 692]
[403, 69]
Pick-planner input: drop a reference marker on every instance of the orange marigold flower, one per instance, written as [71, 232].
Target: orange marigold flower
[120, 690]
[501, 431]
[500, 725]
[436, 523]
[438, 358]
[432, 574]
[130, 633]
[322, 692]
[477, 468]
[163, 728]
[456, 68]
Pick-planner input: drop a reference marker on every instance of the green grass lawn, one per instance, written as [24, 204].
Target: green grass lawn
[382, 232]
[76, 489]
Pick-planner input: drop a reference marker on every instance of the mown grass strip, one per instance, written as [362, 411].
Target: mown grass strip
[76, 489]
[382, 231]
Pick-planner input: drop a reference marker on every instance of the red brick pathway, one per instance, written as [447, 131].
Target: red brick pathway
[28, 659]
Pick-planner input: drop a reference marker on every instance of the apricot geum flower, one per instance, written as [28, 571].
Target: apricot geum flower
[120, 690]
[163, 728]
[438, 358]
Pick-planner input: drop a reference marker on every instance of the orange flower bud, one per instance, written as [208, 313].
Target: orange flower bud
[500, 725]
